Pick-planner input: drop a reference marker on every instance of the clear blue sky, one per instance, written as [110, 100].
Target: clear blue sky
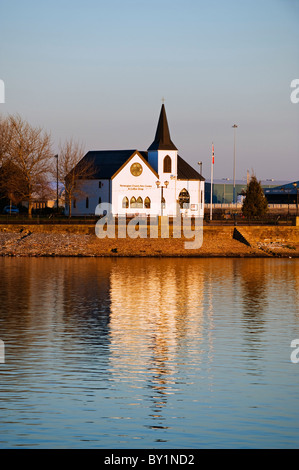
[96, 70]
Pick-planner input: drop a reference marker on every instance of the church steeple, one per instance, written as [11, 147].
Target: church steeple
[162, 139]
[163, 154]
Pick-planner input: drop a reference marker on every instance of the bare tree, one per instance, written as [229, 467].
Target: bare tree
[30, 150]
[12, 182]
[73, 169]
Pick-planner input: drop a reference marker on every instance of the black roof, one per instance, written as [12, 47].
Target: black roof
[162, 139]
[108, 162]
[187, 172]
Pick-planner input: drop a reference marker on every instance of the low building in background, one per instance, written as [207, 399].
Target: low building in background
[283, 194]
[223, 189]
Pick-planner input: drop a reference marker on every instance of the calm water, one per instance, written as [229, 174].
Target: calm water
[149, 353]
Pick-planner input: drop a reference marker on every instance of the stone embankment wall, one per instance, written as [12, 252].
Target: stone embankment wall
[80, 240]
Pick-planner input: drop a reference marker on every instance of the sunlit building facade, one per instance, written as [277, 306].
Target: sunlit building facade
[153, 182]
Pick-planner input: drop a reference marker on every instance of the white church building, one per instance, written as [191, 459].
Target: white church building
[153, 182]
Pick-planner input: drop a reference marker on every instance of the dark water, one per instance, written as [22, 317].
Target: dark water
[149, 353]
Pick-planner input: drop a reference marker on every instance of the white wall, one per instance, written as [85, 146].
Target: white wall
[91, 189]
[196, 191]
[124, 184]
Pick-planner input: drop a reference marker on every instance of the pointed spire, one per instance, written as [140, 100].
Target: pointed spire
[162, 139]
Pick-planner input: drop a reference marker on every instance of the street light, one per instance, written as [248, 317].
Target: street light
[223, 197]
[297, 192]
[234, 193]
[56, 156]
[166, 183]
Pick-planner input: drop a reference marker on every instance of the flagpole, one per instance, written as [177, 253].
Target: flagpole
[212, 174]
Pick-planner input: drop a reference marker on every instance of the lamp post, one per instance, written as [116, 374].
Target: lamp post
[297, 193]
[223, 197]
[166, 183]
[199, 192]
[234, 193]
[57, 197]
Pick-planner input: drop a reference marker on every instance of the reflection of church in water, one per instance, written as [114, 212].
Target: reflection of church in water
[156, 326]
[155, 182]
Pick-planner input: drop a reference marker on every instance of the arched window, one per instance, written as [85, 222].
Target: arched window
[139, 203]
[184, 198]
[133, 202]
[147, 203]
[125, 204]
[75, 203]
[167, 164]
[87, 203]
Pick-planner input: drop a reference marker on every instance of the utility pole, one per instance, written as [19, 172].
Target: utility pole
[234, 193]
[57, 196]
[212, 176]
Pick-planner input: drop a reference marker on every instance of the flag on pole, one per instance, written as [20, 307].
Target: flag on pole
[212, 171]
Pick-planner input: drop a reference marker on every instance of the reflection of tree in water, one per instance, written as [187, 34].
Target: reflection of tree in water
[254, 286]
[56, 311]
[17, 289]
[86, 303]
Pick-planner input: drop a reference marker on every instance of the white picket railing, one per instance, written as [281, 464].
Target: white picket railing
[239, 206]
